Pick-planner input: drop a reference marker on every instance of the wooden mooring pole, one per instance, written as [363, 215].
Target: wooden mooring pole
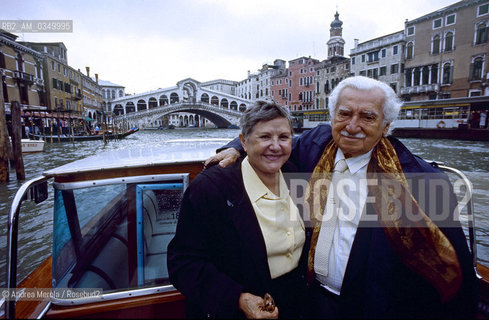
[4, 143]
[16, 140]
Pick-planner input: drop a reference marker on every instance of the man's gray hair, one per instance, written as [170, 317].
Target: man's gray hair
[392, 103]
[262, 111]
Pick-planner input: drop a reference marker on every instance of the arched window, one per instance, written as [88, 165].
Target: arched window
[481, 34]
[409, 73]
[476, 69]
[152, 103]
[436, 44]
[130, 107]
[434, 73]
[173, 98]
[163, 100]
[447, 73]
[449, 41]
[215, 101]
[417, 75]
[224, 103]
[426, 75]
[410, 50]
[204, 98]
[141, 105]
[121, 94]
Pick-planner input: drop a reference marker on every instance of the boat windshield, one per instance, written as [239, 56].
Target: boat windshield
[113, 234]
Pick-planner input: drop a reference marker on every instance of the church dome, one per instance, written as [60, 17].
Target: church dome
[337, 23]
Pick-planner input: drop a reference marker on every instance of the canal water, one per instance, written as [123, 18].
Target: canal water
[35, 240]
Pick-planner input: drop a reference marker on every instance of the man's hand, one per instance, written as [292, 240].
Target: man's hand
[224, 158]
[251, 306]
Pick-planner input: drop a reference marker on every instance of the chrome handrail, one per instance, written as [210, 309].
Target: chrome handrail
[467, 200]
[12, 240]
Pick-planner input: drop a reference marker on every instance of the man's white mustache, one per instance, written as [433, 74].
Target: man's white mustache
[359, 135]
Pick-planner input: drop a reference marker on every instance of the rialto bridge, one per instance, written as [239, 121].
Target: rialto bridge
[152, 109]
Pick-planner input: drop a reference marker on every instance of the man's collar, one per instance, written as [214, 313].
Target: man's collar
[354, 163]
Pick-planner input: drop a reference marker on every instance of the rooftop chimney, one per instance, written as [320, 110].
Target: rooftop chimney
[96, 78]
[88, 71]
[356, 43]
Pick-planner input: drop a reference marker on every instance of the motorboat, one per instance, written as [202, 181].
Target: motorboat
[30, 145]
[113, 215]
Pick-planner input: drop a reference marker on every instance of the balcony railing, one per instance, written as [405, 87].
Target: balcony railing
[420, 89]
[24, 77]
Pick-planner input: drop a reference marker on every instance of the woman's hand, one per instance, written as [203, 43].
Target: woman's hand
[252, 307]
[224, 158]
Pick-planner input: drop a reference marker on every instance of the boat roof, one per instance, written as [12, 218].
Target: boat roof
[168, 152]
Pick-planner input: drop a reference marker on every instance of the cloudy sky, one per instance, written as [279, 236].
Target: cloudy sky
[145, 45]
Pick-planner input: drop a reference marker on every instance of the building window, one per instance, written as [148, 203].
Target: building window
[449, 20]
[383, 71]
[353, 60]
[475, 72]
[449, 41]
[373, 56]
[20, 62]
[426, 75]
[436, 45]
[363, 58]
[394, 68]
[483, 10]
[410, 31]
[417, 75]
[481, 34]
[410, 50]
[437, 23]
[409, 73]
[434, 73]
[447, 73]
[395, 49]
[383, 53]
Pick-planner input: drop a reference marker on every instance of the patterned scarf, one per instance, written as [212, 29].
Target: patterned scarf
[419, 244]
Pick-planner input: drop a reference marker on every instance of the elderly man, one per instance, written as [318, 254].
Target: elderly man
[399, 252]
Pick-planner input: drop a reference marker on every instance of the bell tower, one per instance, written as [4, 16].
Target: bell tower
[336, 43]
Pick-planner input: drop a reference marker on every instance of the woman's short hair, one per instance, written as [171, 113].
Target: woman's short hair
[262, 111]
[392, 103]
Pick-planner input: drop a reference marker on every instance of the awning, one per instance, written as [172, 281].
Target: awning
[88, 119]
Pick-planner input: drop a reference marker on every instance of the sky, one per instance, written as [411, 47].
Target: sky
[144, 45]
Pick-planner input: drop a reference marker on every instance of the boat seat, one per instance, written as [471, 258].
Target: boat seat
[157, 235]
[109, 270]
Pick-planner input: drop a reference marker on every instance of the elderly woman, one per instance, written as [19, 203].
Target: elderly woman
[239, 235]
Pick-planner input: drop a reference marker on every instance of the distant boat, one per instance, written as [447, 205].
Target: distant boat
[29, 145]
[64, 138]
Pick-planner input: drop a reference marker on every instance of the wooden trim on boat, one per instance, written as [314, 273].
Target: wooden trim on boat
[161, 305]
[39, 278]
[193, 168]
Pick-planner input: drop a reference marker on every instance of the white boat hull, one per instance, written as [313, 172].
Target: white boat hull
[29, 145]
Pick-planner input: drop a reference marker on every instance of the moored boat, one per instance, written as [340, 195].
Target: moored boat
[113, 216]
[30, 145]
[70, 138]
